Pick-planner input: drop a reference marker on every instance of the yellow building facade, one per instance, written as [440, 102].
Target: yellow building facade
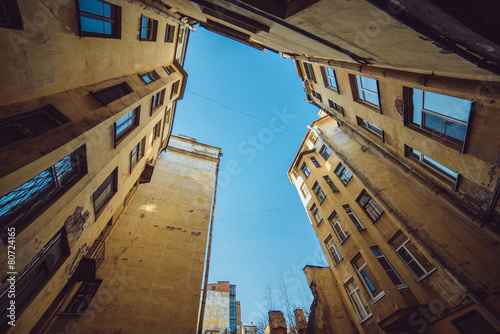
[88, 96]
[398, 179]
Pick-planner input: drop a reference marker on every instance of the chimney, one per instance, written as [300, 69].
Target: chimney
[301, 321]
[277, 322]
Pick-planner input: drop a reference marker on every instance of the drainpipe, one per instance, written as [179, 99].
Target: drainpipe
[408, 226]
[464, 86]
[209, 250]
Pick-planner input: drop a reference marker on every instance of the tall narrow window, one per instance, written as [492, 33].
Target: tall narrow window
[355, 220]
[336, 106]
[391, 272]
[305, 169]
[148, 29]
[317, 95]
[411, 256]
[329, 78]
[334, 220]
[99, 19]
[169, 69]
[304, 190]
[33, 277]
[315, 163]
[370, 206]
[26, 200]
[432, 165]
[175, 89]
[10, 16]
[358, 302]
[28, 125]
[325, 152]
[316, 214]
[371, 127]
[309, 71]
[156, 131]
[333, 250]
[169, 33]
[366, 91]
[108, 95]
[365, 274]
[343, 174]
[136, 153]
[81, 300]
[157, 100]
[126, 123]
[150, 77]
[330, 184]
[319, 192]
[105, 191]
[441, 115]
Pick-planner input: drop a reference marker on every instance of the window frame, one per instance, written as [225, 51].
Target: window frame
[421, 158]
[52, 185]
[151, 29]
[136, 154]
[336, 106]
[344, 175]
[82, 298]
[352, 216]
[360, 97]
[371, 204]
[413, 258]
[324, 149]
[175, 89]
[115, 20]
[315, 213]
[367, 278]
[157, 101]
[410, 111]
[112, 180]
[169, 33]
[333, 250]
[152, 76]
[361, 301]
[371, 128]
[156, 131]
[472, 313]
[118, 137]
[327, 79]
[305, 168]
[317, 95]
[315, 162]
[304, 189]
[169, 69]
[330, 184]
[309, 71]
[334, 220]
[320, 194]
[388, 267]
[123, 89]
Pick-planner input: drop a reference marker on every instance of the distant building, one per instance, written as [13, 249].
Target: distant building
[249, 329]
[221, 309]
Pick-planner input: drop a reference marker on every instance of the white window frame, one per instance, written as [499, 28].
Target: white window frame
[333, 249]
[334, 220]
[370, 203]
[316, 214]
[325, 152]
[319, 192]
[330, 79]
[372, 128]
[366, 279]
[433, 165]
[413, 258]
[344, 174]
[362, 91]
[355, 295]
[359, 226]
[382, 259]
[304, 190]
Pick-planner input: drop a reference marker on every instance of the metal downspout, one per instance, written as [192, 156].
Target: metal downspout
[209, 250]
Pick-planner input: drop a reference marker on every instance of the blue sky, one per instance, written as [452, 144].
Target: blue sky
[251, 104]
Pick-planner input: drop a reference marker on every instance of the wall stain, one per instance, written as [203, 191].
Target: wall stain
[74, 223]
[195, 233]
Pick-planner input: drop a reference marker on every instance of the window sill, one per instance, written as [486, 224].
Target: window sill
[377, 298]
[426, 275]
[366, 319]
[403, 287]
[441, 139]
[373, 107]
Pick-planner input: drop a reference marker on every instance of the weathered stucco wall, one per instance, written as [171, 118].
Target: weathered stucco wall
[216, 315]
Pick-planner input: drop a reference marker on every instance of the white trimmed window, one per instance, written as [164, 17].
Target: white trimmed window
[353, 217]
[334, 220]
[411, 256]
[333, 249]
[358, 302]
[365, 274]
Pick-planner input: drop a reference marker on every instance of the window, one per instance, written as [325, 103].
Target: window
[28, 125]
[169, 33]
[315, 162]
[358, 302]
[393, 275]
[333, 250]
[370, 127]
[353, 217]
[21, 203]
[99, 19]
[329, 78]
[336, 106]
[334, 219]
[169, 69]
[305, 170]
[372, 287]
[82, 298]
[10, 17]
[157, 100]
[150, 77]
[304, 190]
[313, 138]
[105, 191]
[175, 89]
[136, 153]
[309, 71]
[33, 277]
[330, 184]
[411, 256]
[325, 152]
[213, 288]
[366, 91]
[156, 131]
[473, 323]
[319, 192]
[441, 115]
[316, 214]
[181, 34]
[343, 174]
[108, 95]
[370, 206]
[432, 165]
[317, 95]
[149, 28]
[126, 123]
